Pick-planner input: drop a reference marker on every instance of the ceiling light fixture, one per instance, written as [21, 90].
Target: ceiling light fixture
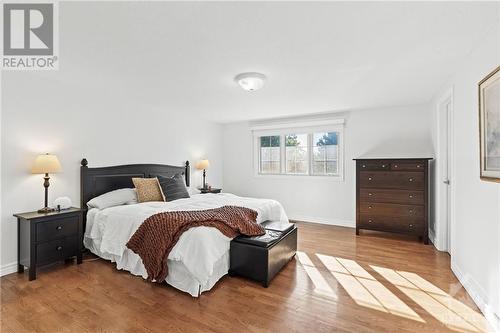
[250, 81]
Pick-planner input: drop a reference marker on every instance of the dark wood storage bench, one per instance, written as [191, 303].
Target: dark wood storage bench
[261, 258]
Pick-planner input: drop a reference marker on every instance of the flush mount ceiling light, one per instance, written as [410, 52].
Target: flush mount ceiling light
[250, 81]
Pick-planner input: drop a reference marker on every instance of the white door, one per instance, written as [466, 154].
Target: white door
[445, 171]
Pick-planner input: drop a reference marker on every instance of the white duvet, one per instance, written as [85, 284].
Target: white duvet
[198, 248]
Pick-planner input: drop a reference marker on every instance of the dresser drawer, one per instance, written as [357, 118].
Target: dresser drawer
[392, 180]
[374, 165]
[56, 250]
[408, 166]
[396, 210]
[392, 196]
[56, 229]
[391, 223]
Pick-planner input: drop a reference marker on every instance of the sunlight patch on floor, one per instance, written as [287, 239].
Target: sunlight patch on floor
[321, 286]
[439, 304]
[364, 289]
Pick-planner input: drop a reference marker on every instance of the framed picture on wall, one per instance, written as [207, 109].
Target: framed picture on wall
[489, 126]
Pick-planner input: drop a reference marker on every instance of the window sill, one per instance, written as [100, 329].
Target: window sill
[301, 177]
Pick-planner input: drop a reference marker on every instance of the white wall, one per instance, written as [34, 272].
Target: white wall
[43, 113]
[400, 130]
[476, 208]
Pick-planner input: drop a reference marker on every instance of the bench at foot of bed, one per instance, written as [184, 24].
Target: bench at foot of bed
[261, 258]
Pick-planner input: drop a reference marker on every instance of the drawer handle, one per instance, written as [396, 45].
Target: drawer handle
[59, 248]
[410, 179]
[396, 166]
[370, 207]
[411, 211]
[410, 225]
[418, 166]
[370, 221]
[383, 165]
[59, 227]
[370, 178]
[370, 194]
[411, 196]
[364, 166]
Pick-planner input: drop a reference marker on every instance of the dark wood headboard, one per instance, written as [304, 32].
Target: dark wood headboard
[97, 181]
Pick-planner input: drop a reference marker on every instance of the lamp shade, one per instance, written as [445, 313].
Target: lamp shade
[46, 163]
[202, 165]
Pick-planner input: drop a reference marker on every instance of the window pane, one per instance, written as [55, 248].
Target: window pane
[331, 167]
[319, 153]
[265, 154]
[264, 141]
[275, 154]
[293, 140]
[275, 141]
[270, 141]
[319, 168]
[275, 167]
[296, 153]
[325, 138]
[331, 152]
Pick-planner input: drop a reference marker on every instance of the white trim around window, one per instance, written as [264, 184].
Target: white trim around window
[280, 131]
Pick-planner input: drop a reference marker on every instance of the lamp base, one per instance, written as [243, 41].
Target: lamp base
[45, 210]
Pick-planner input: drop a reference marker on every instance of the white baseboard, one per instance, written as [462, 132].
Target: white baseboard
[8, 268]
[435, 241]
[478, 295]
[337, 222]
[432, 237]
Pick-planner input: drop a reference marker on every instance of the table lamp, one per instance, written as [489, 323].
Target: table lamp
[203, 165]
[45, 164]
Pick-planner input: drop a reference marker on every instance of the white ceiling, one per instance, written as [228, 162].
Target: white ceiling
[318, 57]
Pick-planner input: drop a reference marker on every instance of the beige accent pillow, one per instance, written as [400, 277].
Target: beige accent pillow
[148, 189]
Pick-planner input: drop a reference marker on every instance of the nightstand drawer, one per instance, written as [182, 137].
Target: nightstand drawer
[56, 250]
[56, 229]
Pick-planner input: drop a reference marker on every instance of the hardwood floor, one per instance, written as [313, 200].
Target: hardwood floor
[338, 282]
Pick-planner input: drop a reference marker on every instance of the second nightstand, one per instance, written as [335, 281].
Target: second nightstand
[212, 190]
[46, 238]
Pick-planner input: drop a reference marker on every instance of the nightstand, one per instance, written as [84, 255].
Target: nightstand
[212, 190]
[47, 238]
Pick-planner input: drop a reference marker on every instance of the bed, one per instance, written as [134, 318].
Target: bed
[200, 257]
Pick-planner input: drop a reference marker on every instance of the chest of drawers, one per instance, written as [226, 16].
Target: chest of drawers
[392, 195]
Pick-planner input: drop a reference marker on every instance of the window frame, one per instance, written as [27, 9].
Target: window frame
[282, 131]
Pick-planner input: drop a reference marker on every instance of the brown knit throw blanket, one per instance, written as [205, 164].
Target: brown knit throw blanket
[159, 233]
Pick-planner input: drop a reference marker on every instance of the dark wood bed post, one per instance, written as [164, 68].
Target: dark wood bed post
[83, 175]
[187, 174]
[83, 204]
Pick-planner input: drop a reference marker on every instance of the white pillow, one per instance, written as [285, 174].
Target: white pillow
[193, 191]
[123, 196]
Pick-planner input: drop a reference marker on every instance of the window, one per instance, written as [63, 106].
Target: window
[325, 153]
[296, 154]
[270, 156]
[306, 151]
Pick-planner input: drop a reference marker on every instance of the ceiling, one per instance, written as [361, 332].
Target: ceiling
[318, 57]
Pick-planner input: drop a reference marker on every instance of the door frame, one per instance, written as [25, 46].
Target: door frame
[443, 229]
